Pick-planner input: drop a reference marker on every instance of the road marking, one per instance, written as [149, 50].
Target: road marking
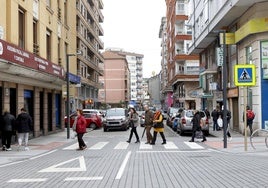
[121, 145]
[174, 151]
[170, 145]
[27, 180]
[145, 146]
[194, 145]
[9, 164]
[54, 168]
[43, 154]
[83, 178]
[72, 147]
[123, 166]
[98, 146]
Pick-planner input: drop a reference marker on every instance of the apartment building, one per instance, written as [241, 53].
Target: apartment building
[244, 25]
[35, 36]
[182, 67]
[116, 80]
[89, 64]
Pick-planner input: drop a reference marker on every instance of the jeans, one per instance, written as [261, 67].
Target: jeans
[215, 125]
[161, 134]
[6, 138]
[23, 137]
[250, 128]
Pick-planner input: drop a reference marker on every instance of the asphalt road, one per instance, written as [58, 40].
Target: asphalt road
[109, 161]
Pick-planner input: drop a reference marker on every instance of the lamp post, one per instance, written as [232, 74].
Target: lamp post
[68, 94]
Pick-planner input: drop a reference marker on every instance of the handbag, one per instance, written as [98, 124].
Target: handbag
[159, 125]
[199, 134]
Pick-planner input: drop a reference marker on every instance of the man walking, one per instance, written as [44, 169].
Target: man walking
[7, 123]
[148, 123]
[24, 123]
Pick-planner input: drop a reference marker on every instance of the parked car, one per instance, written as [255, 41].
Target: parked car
[116, 118]
[93, 120]
[94, 111]
[172, 111]
[142, 117]
[185, 122]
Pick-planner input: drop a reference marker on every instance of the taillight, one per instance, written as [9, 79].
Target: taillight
[183, 120]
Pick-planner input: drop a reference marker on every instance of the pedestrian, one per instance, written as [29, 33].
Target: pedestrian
[158, 127]
[148, 123]
[24, 126]
[215, 116]
[196, 121]
[250, 118]
[207, 113]
[228, 117]
[7, 127]
[134, 122]
[81, 129]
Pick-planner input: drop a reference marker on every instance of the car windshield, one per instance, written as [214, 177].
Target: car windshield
[115, 112]
[189, 114]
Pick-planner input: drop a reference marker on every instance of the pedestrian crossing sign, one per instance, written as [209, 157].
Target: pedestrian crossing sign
[245, 75]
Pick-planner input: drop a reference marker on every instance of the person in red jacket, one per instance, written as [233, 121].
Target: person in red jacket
[81, 129]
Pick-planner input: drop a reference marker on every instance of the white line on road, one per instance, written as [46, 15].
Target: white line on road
[98, 146]
[194, 145]
[170, 145]
[145, 146]
[123, 166]
[121, 145]
[83, 178]
[27, 180]
[43, 154]
[175, 151]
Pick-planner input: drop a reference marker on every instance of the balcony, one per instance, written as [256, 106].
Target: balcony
[186, 57]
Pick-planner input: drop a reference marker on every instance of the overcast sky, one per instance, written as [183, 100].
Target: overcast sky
[133, 25]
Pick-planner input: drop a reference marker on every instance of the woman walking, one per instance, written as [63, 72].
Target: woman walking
[158, 127]
[134, 122]
[81, 129]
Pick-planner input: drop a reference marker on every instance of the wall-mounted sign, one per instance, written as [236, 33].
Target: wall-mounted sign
[245, 75]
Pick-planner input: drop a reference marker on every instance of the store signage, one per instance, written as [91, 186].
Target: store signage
[14, 54]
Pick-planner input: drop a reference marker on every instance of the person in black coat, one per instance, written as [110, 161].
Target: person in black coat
[8, 125]
[215, 116]
[196, 126]
[24, 124]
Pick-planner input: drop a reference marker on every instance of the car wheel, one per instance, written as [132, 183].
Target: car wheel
[92, 125]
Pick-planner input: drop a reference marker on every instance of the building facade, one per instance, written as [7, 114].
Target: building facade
[244, 25]
[182, 67]
[35, 37]
[90, 62]
[116, 80]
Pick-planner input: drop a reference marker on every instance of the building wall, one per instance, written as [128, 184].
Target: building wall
[37, 82]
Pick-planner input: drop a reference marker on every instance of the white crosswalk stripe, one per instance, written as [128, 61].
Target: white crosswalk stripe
[142, 146]
[145, 146]
[170, 145]
[98, 146]
[121, 145]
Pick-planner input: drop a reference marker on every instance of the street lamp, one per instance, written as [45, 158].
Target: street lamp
[68, 91]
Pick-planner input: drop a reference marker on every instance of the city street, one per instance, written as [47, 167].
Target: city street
[109, 161]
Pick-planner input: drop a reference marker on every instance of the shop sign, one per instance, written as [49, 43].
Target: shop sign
[14, 54]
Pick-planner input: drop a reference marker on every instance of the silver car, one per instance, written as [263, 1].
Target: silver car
[185, 122]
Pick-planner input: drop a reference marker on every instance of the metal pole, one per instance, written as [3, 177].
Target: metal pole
[224, 67]
[68, 96]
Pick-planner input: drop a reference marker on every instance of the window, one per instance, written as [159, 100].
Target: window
[35, 43]
[48, 42]
[249, 55]
[21, 28]
[65, 12]
[48, 3]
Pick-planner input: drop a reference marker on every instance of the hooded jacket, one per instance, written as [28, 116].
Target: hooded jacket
[24, 123]
[8, 122]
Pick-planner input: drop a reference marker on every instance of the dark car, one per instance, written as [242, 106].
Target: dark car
[116, 118]
[93, 120]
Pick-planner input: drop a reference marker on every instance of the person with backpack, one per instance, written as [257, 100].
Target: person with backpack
[250, 118]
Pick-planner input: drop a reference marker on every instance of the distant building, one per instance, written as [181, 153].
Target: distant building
[154, 91]
[134, 64]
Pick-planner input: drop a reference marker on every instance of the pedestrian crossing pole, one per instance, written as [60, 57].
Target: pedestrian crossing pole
[245, 118]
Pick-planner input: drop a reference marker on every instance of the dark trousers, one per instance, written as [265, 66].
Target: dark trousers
[155, 135]
[81, 142]
[193, 135]
[148, 133]
[6, 138]
[134, 130]
[250, 128]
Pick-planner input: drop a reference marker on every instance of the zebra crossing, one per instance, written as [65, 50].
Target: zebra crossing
[142, 146]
